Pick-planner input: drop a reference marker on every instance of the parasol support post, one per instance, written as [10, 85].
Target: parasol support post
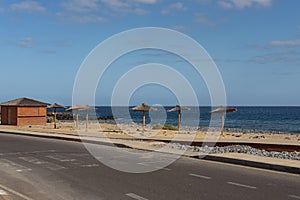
[144, 120]
[54, 118]
[223, 124]
[179, 118]
[76, 124]
[87, 120]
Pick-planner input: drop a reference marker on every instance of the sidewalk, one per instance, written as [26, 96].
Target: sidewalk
[283, 165]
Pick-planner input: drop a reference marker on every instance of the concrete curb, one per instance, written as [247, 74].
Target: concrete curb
[65, 137]
[249, 163]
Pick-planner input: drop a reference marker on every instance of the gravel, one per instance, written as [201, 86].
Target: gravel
[238, 149]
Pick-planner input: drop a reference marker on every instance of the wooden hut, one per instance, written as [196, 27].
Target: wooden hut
[23, 111]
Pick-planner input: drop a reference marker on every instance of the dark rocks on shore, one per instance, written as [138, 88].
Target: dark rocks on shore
[238, 149]
[65, 116]
[106, 118]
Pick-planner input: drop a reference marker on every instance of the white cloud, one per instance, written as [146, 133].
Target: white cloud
[116, 3]
[203, 19]
[241, 4]
[124, 7]
[140, 11]
[88, 19]
[180, 28]
[81, 5]
[92, 8]
[280, 56]
[204, 1]
[225, 4]
[146, 1]
[285, 43]
[28, 6]
[26, 43]
[178, 6]
[81, 19]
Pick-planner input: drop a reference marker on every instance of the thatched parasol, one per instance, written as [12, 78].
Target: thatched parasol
[55, 106]
[222, 110]
[178, 109]
[143, 108]
[80, 107]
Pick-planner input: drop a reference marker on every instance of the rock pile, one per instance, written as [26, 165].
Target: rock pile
[238, 149]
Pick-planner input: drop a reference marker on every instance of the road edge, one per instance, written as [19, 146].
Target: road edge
[215, 158]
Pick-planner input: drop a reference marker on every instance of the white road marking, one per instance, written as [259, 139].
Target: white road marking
[61, 158]
[144, 164]
[163, 168]
[90, 165]
[33, 160]
[200, 176]
[294, 196]
[156, 167]
[3, 193]
[12, 165]
[135, 196]
[242, 185]
[26, 152]
[15, 193]
[146, 156]
[45, 164]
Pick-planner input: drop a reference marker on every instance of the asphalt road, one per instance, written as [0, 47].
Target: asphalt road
[37, 168]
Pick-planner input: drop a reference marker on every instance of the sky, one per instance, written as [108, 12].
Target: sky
[254, 43]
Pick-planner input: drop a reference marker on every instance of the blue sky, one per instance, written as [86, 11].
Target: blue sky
[254, 43]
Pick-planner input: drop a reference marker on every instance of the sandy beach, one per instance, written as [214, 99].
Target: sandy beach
[134, 131]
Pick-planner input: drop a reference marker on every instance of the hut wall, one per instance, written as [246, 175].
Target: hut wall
[31, 116]
[9, 115]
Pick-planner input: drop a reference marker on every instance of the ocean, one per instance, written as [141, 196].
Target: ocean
[246, 119]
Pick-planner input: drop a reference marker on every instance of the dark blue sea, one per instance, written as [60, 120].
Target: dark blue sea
[254, 119]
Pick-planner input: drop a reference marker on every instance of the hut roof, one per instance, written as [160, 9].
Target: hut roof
[79, 107]
[144, 108]
[25, 102]
[178, 108]
[223, 110]
[55, 105]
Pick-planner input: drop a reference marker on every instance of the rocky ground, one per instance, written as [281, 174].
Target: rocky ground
[238, 149]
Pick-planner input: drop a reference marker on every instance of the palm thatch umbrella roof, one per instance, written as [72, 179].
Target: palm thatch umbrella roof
[143, 108]
[55, 106]
[80, 107]
[178, 108]
[222, 110]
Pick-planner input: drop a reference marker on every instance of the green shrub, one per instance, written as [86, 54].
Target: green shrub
[170, 127]
[157, 126]
[50, 119]
[165, 127]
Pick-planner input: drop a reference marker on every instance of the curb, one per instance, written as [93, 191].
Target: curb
[261, 165]
[70, 138]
